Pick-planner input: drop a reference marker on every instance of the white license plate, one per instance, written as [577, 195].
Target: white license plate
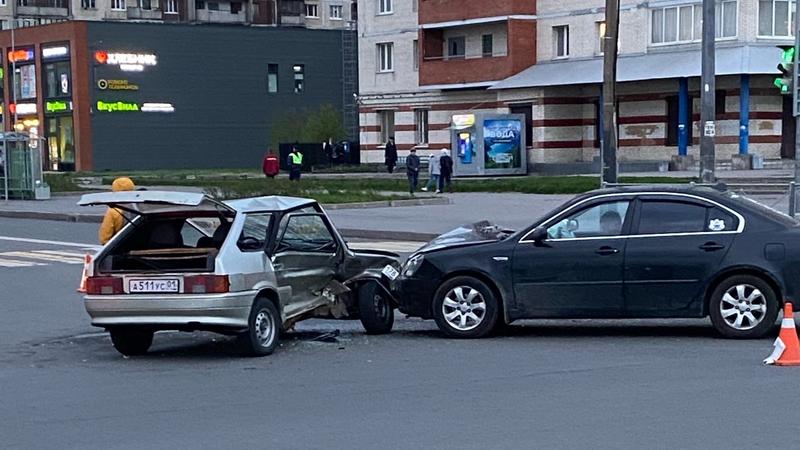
[145, 285]
[390, 272]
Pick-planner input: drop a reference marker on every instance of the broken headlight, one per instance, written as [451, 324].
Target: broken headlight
[412, 265]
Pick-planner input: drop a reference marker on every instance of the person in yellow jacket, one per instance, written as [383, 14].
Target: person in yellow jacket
[113, 221]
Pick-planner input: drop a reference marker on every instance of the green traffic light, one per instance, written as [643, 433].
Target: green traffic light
[787, 55]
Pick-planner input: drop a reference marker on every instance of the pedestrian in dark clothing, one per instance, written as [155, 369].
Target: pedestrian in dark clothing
[446, 168]
[327, 148]
[295, 162]
[412, 171]
[390, 155]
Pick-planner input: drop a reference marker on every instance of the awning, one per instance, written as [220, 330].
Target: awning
[755, 60]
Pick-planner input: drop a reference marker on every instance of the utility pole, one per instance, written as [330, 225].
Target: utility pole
[795, 83]
[707, 95]
[608, 150]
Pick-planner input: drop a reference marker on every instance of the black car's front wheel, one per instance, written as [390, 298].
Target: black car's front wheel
[465, 307]
[743, 307]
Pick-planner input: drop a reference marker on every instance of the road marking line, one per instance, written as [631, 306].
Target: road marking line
[43, 241]
[16, 263]
[60, 253]
[43, 257]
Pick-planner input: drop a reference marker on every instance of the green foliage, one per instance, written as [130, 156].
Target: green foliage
[307, 126]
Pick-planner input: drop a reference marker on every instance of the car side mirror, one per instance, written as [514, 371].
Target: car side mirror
[539, 234]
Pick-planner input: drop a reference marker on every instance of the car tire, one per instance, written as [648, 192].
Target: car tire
[375, 308]
[263, 329]
[131, 341]
[743, 307]
[465, 307]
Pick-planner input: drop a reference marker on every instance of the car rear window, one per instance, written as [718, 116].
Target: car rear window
[765, 210]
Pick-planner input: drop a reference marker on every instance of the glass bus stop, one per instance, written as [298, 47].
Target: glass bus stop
[21, 176]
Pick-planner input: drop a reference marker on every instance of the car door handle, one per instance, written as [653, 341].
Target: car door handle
[711, 246]
[606, 251]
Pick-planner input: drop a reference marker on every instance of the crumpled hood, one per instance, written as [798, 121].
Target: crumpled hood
[473, 234]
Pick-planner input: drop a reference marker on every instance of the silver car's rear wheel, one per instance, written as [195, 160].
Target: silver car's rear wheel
[263, 328]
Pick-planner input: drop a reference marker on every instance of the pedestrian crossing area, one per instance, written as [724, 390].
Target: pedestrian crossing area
[33, 258]
[391, 246]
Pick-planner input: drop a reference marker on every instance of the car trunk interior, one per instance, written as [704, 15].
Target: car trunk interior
[168, 243]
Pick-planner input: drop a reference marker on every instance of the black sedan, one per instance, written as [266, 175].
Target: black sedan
[632, 252]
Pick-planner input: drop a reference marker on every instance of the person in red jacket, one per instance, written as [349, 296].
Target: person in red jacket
[270, 165]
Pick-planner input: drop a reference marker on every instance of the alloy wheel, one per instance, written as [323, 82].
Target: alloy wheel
[743, 307]
[464, 308]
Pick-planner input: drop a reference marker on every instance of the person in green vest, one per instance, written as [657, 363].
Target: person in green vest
[295, 161]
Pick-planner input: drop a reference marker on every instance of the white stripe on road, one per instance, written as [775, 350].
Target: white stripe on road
[60, 253]
[42, 256]
[16, 263]
[395, 246]
[42, 241]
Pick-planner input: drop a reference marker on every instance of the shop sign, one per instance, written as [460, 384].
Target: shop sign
[58, 106]
[23, 109]
[55, 52]
[116, 85]
[502, 143]
[158, 107]
[20, 56]
[461, 121]
[117, 106]
[130, 62]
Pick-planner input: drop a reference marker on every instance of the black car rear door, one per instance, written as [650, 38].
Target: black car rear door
[578, 269]
[677, 242]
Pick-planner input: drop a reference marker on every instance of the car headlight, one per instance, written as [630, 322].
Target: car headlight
[412, 265]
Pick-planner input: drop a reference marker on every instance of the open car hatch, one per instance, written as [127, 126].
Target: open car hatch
[154, 202]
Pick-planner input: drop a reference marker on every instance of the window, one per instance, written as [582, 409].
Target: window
[144, 4]
[456, 47]
[336, 12]
[601, 34]
[57, 79]
[415, 55]
[199, 4]
[171, 7]
[254, 232]
[85, 4]
[561, 41]
[306, 233]
[236, 7]
[299, 71]
[386, 119]
[605, 219]
[421, 125]
[721, 220]
[312, 10]
[60, 152]
[385, 57]
[272, 78]
[487, 45]
[213, 6]
[776, 18]
[385, 6]
[25, 82]
[118, 5]
[659, 217]
[677, 24]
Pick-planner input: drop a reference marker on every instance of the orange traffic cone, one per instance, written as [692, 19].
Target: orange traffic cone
[787, 346]
[86, 261]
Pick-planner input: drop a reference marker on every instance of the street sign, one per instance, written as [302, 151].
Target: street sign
[710, 129]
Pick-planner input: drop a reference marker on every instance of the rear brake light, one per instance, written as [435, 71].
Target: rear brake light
[103, 285]
[206, 284]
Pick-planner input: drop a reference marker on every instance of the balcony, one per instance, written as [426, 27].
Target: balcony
[143, 14]
[211, 16]
[470, 55]
[43, 8]
[436, 11]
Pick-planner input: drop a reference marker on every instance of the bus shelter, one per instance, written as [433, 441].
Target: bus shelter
[21, 167]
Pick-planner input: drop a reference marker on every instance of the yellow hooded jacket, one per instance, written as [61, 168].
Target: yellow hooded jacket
[113, 220]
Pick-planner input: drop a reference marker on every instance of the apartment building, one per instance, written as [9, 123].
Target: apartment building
[544, 59]
[317, 14]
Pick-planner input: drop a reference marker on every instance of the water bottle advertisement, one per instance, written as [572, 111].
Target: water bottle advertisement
[501, 143]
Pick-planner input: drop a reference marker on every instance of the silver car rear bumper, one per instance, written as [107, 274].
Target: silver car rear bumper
[181, 310]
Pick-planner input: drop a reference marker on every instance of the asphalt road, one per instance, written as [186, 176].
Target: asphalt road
[565, 384]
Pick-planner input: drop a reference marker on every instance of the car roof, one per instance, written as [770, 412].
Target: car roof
[269, 203]
[700, 190]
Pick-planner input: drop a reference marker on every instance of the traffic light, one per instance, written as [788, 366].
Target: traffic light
[786, 68]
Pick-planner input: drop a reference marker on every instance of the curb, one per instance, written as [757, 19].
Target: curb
[63, 217]
[387, 235]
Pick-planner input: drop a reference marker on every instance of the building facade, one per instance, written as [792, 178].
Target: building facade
[125, 96]
[544, 59]
[318, 14]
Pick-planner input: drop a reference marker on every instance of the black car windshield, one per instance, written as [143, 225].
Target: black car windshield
[768, 211]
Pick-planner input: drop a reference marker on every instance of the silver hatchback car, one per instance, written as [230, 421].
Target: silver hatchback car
[250, 267]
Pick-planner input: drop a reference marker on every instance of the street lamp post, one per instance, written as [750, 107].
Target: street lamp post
[707, 95]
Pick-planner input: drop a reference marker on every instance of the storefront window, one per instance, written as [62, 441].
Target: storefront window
[60, 144]
[25, 82]
[57, 79]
